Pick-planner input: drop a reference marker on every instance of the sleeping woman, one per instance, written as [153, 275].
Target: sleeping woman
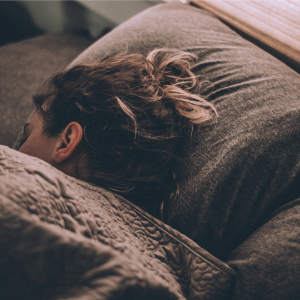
[121, 123]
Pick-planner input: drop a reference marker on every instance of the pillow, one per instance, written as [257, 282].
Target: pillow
[267, 264]
[235, 173]
[62, 238]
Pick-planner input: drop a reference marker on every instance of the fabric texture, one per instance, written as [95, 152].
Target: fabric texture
[234, 174]
[267, 264]
[245, 166]
[62, 238]
[24, 67]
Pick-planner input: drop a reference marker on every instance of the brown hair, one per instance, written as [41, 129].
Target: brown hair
[136, 113]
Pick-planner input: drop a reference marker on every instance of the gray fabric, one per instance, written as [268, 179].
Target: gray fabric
[267, 264]
[166, 25]
[245, 166]
[24, 66]
[234, 174]
[63, 238]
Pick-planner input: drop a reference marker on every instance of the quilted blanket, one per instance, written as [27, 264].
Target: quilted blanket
[62, 238]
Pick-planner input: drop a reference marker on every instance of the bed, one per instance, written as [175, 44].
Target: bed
[234, 231]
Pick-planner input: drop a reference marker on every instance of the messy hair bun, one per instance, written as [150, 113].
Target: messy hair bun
[136, 113]
[172, 70]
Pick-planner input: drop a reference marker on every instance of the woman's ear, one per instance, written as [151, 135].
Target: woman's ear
[68, 142]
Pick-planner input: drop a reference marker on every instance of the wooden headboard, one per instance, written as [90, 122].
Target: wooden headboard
[274, 25]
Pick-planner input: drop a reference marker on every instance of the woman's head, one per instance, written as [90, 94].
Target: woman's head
[62, 151]
[130, 115]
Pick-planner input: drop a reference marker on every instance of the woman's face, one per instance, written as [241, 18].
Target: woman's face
[38, 144]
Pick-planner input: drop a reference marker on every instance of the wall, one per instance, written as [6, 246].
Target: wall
[92, 16]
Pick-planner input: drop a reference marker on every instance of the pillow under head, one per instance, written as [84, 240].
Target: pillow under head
[235, 173]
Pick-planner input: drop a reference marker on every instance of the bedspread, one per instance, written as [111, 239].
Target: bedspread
[62, 238]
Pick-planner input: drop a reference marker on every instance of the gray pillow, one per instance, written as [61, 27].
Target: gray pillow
[235, 173]
[267, 264]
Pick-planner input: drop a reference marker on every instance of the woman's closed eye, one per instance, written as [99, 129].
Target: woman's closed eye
[25, 130]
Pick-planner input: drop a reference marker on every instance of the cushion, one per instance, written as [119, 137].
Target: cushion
[237, 172]
[267, 264]
[24, 67]
[62, 238]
